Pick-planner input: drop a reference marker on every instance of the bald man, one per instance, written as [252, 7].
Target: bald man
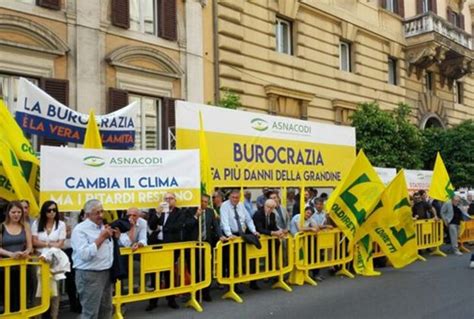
[136, 237]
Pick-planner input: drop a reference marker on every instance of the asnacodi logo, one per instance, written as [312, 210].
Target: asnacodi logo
[259, 124]
[93, 161]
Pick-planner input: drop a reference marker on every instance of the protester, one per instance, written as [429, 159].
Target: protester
[71, 220]
[320, 216]
[217, 200]
[235, 222]
[92, 255]
[312, 196]
[452, 217]
[421, 209]
[281, 214]
[210, 233]
[309, 224]
[470, 209]
[15, 242]
[136, 237]
[262, 198]
[26, 209]
[49, 232]
[296, 207]
[168, 222]
[248, 202]
[290, 200]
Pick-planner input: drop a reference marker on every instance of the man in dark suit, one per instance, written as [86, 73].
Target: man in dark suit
[265, 223]
[210, 232]
[167, 226]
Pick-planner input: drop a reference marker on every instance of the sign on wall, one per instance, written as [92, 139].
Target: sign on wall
[40, 114]
[119, 179]
[418, 179]
[386, 174]
[256, 150]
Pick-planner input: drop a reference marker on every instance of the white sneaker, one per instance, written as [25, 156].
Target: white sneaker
[471, 265]
[457, 253]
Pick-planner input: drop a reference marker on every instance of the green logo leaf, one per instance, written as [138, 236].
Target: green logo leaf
[93, 161]
[259, 124]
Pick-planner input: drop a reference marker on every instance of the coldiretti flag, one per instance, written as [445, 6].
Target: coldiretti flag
[6, 189]
[357, 196]
[92, 139]
[441, 187]
[14, 173]
[363, 264]
[397, 242]
[206, 187]
[13, 134]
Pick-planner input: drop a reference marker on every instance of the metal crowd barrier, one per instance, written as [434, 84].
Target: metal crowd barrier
[324, 249]
[14, 285]
[236, 262]
[430, 234]
[467, 235]
[172, 269]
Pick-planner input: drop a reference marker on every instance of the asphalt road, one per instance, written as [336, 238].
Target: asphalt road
[438, 288]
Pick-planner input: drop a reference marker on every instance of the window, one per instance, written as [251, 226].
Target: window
[458, 91]
[391, 5]
[345, 56]
[143, 16]
[429, 81]
[9, 84]
[148, 122]
[392, 71]
[27, 1]
[283, 36]
[425, 5]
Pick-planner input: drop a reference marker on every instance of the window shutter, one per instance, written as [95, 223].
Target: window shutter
[50, 4]
[121, 13]
[433, 6]
[58, 89]
[449, 15]
[461, 21]
[401, 8]
[167, 23]
[419, 7]
[168, 120]
[117, 99]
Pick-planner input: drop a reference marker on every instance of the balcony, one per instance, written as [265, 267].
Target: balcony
[431, 40]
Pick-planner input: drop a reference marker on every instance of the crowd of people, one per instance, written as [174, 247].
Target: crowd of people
[85, 246]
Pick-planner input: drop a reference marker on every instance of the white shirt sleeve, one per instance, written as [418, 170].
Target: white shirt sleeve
[62, 230]
[34, 228]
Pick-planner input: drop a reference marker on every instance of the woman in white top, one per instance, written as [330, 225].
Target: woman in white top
[48, 231]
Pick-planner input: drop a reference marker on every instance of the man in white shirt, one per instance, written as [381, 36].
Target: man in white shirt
[136, 237]
[92, 255]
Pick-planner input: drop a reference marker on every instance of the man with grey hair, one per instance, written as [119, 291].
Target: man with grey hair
[452, 217]
[92, 256]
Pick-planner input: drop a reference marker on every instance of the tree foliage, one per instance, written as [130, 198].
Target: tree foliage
[456, 145]
[388, 138]
[230, 100]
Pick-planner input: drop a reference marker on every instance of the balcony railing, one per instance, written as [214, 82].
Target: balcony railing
[430, 22]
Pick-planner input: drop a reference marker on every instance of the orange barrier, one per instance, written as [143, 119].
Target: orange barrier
[7, 267]
[326, 248]
[430, 234]
[252, 263]
[177, 261]
[467, 235]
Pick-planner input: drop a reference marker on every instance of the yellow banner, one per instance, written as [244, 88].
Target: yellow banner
[262, 161]
[119, 199]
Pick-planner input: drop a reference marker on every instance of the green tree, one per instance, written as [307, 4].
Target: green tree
[229, 100]
[388, 138]
[456, 146]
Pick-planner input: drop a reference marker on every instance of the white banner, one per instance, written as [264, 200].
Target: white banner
[39, 113]
[386, 174]
[119, 179]
[418, 179]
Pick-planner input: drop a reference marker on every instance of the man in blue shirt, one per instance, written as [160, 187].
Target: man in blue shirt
[248, 202]
[92, 256]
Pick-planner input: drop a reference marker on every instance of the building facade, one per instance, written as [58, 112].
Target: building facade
[317, 59]
[105, 54]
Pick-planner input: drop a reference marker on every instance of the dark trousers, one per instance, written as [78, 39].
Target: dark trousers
[165, 278]
[74, 303]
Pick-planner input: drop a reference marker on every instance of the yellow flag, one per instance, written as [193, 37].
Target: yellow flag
[398, 242]
[363, 263]
[441, 187]
[14, 173]
[357, 196]
[302, 205]
[14, 135]
[92, 137]
[206, 187]
[6, 189]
